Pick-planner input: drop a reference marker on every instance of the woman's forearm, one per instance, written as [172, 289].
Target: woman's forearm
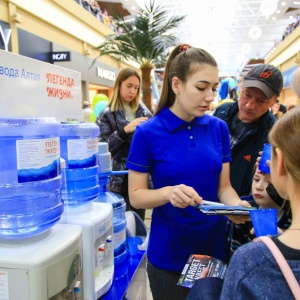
[145, 198]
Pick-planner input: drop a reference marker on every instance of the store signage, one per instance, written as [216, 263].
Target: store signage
[49, 90]
[60, 56]
[5, 36]
[106, 74]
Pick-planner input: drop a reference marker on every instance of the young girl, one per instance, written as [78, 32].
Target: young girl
[264, 195]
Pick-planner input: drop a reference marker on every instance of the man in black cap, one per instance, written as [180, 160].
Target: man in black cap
[249, 122]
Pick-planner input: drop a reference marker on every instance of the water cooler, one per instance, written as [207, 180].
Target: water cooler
[79, 150]
[98, 265]
[39, 258]
[47, 266]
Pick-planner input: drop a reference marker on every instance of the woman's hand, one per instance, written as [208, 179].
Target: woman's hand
[132, 125]
[240, 219]
[182, 195]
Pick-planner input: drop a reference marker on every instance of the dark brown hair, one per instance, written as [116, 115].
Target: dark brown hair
[182, 62]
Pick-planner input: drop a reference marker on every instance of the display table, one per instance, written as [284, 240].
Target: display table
[123, 276]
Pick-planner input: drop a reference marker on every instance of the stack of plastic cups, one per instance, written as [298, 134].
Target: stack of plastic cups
[30, 177]
[79, 149]
[116, 200]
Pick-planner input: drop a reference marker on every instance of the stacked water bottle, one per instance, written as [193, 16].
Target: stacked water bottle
[32, 191]
[88, 167]
[34, 195]
[30, 178]
[79, 149]
[117, 201]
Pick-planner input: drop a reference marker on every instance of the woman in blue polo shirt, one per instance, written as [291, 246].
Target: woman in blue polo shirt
[187, 154]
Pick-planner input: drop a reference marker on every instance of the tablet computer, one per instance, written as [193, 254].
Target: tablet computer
[225, 209]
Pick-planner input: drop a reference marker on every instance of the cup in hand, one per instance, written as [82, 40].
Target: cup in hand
[264, 221]
[266, 155]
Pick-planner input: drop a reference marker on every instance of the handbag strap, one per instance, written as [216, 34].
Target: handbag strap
[285, 268]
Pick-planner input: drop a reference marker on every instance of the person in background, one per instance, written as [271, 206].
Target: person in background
[282, 108]
[117, 123]
[264, 195]
[275, 109]
[86, 111]
[187, 154]
[106, 17]
[249, 121]
[290, 107]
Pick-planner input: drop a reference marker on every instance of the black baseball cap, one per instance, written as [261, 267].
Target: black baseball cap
[265, 77]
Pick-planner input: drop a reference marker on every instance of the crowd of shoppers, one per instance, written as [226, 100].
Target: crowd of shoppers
[191, 156]
[101, 14]
[291, 27]
[253, 272]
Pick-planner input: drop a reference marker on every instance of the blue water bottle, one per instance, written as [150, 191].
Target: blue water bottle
[117, 201]
[79, 148]
[30, 177]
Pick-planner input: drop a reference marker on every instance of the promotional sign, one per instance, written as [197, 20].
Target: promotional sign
[29, 87]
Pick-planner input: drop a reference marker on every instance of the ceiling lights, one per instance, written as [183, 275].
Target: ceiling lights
[268, 7]
[255, 32]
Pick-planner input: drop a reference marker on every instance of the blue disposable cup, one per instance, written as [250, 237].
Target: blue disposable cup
[264, 221]
[133, 243]
[266, 155]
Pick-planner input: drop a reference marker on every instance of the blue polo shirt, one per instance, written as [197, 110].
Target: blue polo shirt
[176, 152]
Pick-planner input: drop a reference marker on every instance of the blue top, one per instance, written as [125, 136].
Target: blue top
[253, 273]
[176, 152]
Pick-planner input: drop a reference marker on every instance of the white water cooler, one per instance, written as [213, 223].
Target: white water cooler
[46, 266]
[96, 220]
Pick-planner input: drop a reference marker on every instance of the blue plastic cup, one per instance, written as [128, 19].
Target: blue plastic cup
[264, 221]
[133, 243]
[266, 155]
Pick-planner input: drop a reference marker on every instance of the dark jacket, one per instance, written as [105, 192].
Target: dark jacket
[111, 126]
[245, 151]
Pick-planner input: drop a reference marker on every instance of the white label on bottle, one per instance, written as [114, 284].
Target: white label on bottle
[82, 148]
[119, 238]
[38, 159]
[35, 154]
[3, 285]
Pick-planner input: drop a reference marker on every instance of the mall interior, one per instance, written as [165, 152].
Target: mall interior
[42, 43]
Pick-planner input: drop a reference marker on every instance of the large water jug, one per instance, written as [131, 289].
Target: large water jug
[79, 148]
[30, 177]
[117, 201]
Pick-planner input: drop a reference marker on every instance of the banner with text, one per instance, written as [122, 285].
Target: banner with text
[33, 88]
